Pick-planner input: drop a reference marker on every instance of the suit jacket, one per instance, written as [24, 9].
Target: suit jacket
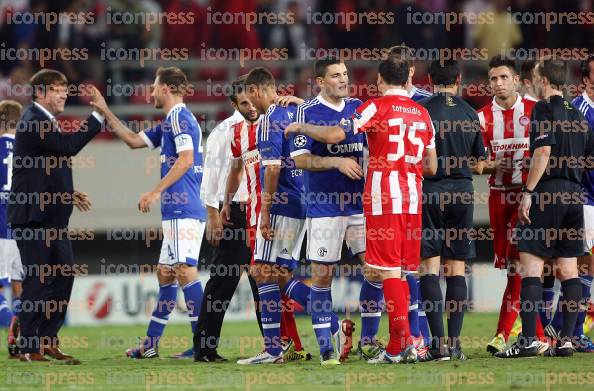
[42, 175]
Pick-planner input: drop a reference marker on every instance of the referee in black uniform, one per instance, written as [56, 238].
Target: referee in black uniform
[448, 207]
[551, 219]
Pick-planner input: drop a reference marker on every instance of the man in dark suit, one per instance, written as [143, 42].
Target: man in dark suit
[40, 205]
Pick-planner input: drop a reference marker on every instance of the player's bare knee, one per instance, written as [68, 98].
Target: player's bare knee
[165, 275]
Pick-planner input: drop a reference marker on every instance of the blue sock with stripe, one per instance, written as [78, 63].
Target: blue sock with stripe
[165, 304]
[193, 295]
[586, 281]
[5, 312]
[321, 318]
[548, 298]
[300, 292]
[16, 305]
[370, 301]
[270, 303]
[424, 325]
[413, 305]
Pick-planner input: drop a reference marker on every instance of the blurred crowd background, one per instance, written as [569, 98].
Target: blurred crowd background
[204, 34]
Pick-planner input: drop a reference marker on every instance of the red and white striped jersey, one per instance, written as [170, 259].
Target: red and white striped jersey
[244, 147]
[398, 132]
[506, 134]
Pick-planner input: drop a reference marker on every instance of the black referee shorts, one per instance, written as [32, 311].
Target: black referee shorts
[556, 221]
[448, 206]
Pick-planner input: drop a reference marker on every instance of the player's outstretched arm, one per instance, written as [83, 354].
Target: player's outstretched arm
[323, 134]
[347, 166]
[132, 139]
[271, 177]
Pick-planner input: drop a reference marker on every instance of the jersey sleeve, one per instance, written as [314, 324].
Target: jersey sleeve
[235, 146]
[542, 133]
[365, 117]
[182, 128]
[270, 141]
[478, 146]
[300, 144]
[152, 136]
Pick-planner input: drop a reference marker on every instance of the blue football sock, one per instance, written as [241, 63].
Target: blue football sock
[16, 305]
[370, 300]
[300, 292]
[5, 312]
[321, 310]
[193, 296]
[165, 304]
[546, 313]
[424, 326]
[586, 281]
[270, 303]
[413, 308]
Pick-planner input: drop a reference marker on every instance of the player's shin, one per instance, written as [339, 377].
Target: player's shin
[413, 306]
[193, 296]
[321, 310]
[433, 307]
[586, 281]
[165, 304]
[270, 302]
[370, 299]
[397, 308]
[455, 302]
[572, 293]
[548, 297]
[530, 303]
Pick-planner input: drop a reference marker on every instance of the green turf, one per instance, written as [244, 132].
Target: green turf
[104, 366]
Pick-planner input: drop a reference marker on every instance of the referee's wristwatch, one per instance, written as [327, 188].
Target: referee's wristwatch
[526, 190]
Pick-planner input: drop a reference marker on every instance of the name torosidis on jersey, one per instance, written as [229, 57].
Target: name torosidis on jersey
[406, 110]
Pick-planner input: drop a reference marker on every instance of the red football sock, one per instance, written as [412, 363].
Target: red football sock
[539, 330]
[288, 327]
[397, 308]
[510, 305]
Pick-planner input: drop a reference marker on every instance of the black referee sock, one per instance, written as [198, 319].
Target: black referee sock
[530, 304]
[572, 294]
[433, 306]
[455, 304]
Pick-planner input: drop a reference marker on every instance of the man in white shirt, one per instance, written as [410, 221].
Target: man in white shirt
[231, 252]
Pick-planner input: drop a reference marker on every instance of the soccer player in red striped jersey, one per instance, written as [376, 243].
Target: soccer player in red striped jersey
[505, 123]
[401, 143]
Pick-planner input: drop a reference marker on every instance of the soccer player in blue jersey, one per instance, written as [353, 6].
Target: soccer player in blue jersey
[333, 187]
[11, 269]
[582, 343]
[281, 225]
[183, 213]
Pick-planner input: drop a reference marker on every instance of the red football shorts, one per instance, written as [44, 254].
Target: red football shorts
[503, 215]
[393, 241]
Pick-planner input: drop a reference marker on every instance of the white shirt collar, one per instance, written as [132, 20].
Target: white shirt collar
[499, 108]
[397, 91]
[323, 101]
[9, 135]
[587, 99]
[530, 97]
[44, 111]
[175, 107]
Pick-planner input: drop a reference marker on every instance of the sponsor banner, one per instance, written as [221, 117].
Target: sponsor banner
[130, 298]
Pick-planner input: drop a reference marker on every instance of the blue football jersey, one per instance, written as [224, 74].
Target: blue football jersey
[330, 193]
[6, 144]
[179, 132]
[274, 148]
[584, 104]
[418, 94]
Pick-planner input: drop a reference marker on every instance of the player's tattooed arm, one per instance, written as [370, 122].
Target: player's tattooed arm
[271, 177]
[347, 166]
[323, 134]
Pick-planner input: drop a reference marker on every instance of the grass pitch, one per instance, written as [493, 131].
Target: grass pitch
[105, 367]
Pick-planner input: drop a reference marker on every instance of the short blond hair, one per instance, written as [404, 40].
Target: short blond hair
[10, 113]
